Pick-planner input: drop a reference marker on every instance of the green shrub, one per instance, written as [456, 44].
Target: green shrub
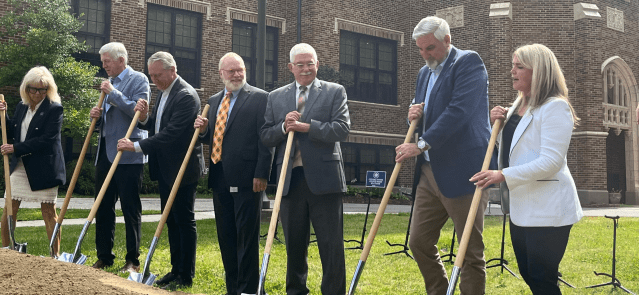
[148, 186]
[86, 179]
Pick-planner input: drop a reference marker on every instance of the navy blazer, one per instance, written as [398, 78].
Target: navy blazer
[41, 150]
[456, 122]
[244, 156]
[167, 148]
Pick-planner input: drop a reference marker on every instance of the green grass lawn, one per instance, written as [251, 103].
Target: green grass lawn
[27, 214]
[589, 249]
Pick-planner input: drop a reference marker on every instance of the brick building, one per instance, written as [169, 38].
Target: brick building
[370, 43]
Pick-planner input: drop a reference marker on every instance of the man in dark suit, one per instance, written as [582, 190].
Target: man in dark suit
[171, 128]
[125, 87]
[240, 166]
[451, 103]
[316, 111]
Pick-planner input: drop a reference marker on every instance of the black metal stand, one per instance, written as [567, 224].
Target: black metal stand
[405, 245]
[503, 263]
[562, 280]
[452, 251]
[361, 242]
[614, 281]
[275, 235]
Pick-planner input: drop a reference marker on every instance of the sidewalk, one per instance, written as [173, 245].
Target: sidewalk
[204, 210]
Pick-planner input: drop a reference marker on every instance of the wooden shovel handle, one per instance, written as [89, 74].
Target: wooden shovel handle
[384, 202]
[178, 179]
[470, 220]
[278, 194]
[7, 171]
[114, 166]
[78, 165]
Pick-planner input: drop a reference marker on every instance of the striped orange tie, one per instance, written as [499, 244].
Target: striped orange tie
[220, 125]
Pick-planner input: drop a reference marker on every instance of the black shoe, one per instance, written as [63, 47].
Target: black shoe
[178, 283]
[129, 266]
[166, 279]
[101, 264]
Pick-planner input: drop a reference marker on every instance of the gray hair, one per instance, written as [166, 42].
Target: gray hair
[164, 57]
[115, 50]
[432, 24]
[302, 48]
[233, 54]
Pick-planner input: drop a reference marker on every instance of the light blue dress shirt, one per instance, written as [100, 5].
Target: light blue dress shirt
[434, 74]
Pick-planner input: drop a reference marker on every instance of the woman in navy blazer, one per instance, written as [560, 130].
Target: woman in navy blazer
[37, 162]
[534, 179]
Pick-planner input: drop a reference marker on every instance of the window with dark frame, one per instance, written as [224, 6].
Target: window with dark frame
[178, 32]
[245, 44]
[359, 158]
[370, 65]
[95, 16]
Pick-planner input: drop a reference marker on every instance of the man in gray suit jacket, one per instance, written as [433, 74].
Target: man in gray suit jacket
[123, 90]
[316, 111]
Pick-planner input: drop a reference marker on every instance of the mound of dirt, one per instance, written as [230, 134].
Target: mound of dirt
[28, 274]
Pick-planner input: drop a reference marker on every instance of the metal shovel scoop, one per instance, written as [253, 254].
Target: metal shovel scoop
[146, 277]
[77, 257]
[7, 180]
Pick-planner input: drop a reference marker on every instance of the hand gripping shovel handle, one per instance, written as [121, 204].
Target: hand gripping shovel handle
[74, 179]
[7, 178]
[470, 220]
[143, 277]
[76, 258]
[275, 213]
[378, 217]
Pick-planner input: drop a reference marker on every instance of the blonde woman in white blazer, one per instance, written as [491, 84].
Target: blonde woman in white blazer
[543, 199]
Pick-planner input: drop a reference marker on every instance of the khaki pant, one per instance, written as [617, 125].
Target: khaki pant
[430, 214]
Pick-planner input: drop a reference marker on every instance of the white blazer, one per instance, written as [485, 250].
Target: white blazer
[542, 191]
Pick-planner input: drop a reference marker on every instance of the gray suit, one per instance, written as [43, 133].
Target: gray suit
[313, 192]
[117, 113]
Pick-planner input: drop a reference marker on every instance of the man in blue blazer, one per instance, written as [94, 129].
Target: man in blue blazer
[124, 88]
[451, 104]
[170, 127]
[317, 112]
[238, 173]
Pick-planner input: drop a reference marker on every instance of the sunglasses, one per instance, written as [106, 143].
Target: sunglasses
[34, 90]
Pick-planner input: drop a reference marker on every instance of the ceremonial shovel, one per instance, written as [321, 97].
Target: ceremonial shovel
[74, 179]
[7, 181]
[470, 220]
[146, 277]
[77, 257]
[378, 216]
[275, 213]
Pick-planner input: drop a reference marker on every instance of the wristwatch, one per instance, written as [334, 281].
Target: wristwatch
[422, 145]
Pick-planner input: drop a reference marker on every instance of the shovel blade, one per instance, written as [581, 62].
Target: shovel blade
[22, 248]
[69, 257]
[141, 278]
[358, 273]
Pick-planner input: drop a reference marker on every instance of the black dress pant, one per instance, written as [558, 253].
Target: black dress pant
[237, 217]
[539, 251]
[300, 208]
[125, 185]
[181, 227]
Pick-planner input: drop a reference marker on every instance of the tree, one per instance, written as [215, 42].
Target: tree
[41, 32]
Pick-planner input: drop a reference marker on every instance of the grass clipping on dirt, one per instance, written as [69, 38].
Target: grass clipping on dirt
[29, 274]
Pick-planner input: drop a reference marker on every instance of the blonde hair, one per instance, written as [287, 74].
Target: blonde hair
[36, 75]
[547, 78]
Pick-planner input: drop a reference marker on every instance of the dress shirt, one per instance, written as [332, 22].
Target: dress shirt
[297, 96]
[231, 103]
[115, 82]
[158, 117]
[27, 120]
[434, 74]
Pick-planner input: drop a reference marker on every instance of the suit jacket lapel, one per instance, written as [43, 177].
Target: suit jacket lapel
[38, 116]
[521, 127]
[170, 100]
[313, 93]
[290, 101]
[22, 111]
[239, 102]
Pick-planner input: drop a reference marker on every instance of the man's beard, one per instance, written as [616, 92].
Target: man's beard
[432, 64]
[230, 86]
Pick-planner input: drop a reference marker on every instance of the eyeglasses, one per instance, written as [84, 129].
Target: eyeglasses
[34, 90]
[233, 71]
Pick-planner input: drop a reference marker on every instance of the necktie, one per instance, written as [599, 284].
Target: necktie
[220, 125]
[302, 99]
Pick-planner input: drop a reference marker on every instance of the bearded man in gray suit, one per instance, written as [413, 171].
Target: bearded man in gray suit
[316, 111]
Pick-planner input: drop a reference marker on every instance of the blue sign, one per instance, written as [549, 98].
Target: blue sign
[376, 179]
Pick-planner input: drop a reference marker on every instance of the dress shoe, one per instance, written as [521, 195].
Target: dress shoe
[166, 279]
[178, 284]
[129, 266]
[101, 264]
